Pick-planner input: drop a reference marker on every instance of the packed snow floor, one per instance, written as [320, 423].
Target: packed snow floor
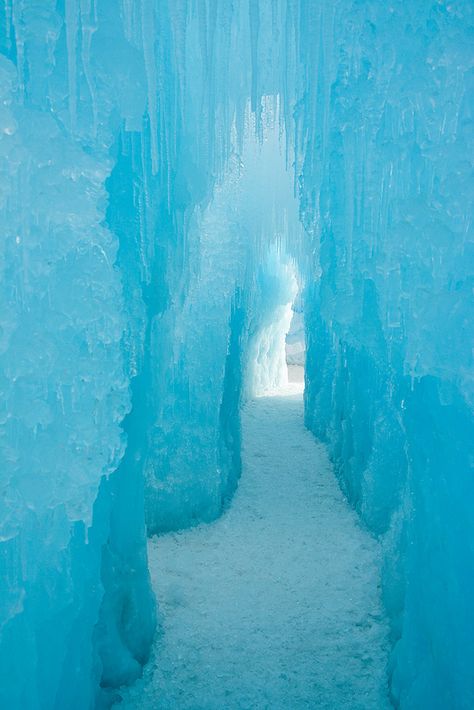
[277, 604]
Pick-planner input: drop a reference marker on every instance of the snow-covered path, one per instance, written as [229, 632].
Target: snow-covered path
[276, 605]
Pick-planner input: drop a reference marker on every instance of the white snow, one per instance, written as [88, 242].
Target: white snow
[276, 604]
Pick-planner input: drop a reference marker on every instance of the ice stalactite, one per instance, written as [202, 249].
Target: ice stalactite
[71, 21]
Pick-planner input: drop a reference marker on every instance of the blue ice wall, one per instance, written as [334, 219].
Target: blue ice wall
[203, 343]
[385, 134]
[209, 235]
[76, 608]
[121, 131]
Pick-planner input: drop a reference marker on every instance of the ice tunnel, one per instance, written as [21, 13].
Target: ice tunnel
[195, 195]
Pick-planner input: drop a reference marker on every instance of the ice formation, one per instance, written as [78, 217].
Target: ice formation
[387, 193]
[172, 171]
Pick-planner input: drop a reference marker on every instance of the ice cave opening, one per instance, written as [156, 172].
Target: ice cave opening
[277, 350]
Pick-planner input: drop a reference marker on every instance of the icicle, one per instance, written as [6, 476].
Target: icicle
[148, 37]
[8, 20]
[71, 39]
[254, 18]
[88, 27]
[143, 211]
[17, 20]
[127, 15]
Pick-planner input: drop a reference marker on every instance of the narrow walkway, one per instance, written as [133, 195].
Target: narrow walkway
[276, 605]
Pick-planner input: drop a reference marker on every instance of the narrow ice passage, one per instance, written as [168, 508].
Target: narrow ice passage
[276, 604]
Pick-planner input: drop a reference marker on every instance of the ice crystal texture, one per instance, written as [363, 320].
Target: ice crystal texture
[172, 173]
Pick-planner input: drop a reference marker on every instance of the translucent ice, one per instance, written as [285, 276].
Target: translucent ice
[166, 169]
[386, 171]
